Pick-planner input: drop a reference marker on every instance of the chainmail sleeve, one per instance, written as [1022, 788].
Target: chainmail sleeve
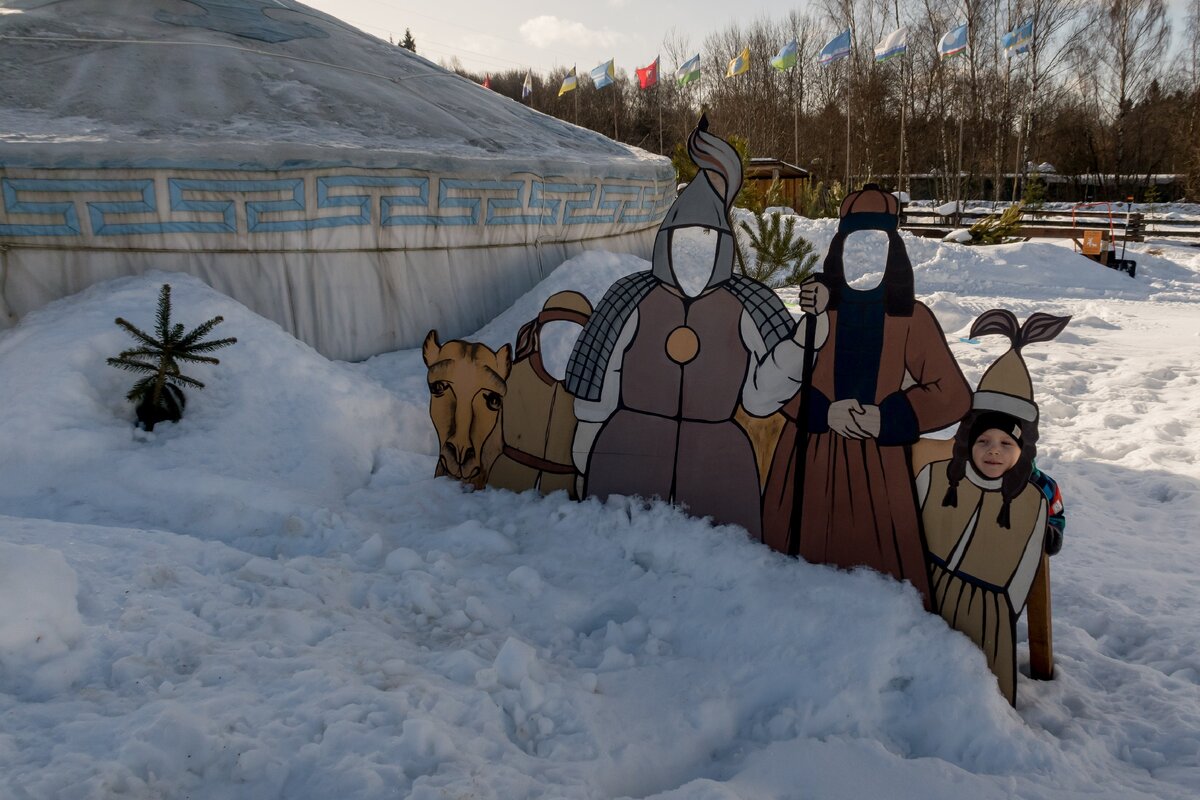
[769, 313]
[590, 356]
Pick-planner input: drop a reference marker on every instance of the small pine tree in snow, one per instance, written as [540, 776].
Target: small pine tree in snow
[408, 42]
[997, 229]
[782, 257]
[159, 394]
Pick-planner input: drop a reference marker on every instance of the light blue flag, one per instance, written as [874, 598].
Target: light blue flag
[786, 58]
[1019, 38]
[604, 74]
[837, 48]
[953, 43]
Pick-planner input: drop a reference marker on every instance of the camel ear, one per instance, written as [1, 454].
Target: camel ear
[431, 348]
[504, 361]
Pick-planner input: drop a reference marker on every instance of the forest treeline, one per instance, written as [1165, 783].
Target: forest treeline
[1107, 90]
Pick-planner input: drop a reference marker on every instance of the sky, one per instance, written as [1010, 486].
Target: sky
[534, 34]
[524, 34]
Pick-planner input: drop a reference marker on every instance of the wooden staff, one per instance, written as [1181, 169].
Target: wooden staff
[801, 452]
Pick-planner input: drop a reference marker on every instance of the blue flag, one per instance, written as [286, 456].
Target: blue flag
[604, 75]
[1019, 38]
[953, 43]
[837, 48]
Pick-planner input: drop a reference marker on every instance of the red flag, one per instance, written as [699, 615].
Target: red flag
[487, 80]
[648, 76]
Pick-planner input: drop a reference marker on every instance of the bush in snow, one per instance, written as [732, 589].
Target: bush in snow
[159, 394]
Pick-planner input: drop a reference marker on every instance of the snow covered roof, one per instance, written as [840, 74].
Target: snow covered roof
[252, 84]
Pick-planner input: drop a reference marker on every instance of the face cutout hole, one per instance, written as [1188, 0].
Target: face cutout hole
[865, 258]
[557, 340]
[693, 257]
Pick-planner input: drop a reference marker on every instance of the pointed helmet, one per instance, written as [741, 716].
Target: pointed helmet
[704, 203]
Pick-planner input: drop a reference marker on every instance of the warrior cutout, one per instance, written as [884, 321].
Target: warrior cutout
[669, 354]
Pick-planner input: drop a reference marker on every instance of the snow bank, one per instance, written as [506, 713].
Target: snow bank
[274, 599]
[40, 620]
[278, 435]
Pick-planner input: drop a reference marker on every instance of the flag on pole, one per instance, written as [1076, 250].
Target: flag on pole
[953, 43]
[604, 74]
[487, 80]
[648, 76]
[527, 87]
[740, 64]
[1019, 38]
[892, 45]
[786, 58]
[836, 49]
[570, 83]
[689, 72]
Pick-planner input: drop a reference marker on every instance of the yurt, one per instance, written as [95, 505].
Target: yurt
[346, 188]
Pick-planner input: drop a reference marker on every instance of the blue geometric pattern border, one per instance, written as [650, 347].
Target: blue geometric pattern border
[118, 207]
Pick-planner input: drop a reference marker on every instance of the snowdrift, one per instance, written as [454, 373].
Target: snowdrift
[274, 599]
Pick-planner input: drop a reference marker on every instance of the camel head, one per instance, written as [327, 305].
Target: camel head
[466, 391]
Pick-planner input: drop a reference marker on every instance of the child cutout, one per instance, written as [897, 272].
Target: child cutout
[985, 522]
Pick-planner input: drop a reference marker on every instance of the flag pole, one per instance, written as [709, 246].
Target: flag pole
[616, 138]
[903, 103]
[849, 100]
[658, 91]
[958, 187]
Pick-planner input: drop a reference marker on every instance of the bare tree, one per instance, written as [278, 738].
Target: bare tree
[1132, 33]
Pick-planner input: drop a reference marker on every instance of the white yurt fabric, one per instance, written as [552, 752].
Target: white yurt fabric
[342, 186]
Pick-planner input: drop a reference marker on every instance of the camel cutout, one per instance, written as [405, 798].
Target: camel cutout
[467, 385]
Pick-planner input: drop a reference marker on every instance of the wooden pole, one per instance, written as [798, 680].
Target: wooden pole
[1041, 649]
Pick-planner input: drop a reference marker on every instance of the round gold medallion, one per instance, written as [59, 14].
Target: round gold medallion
[682, 345]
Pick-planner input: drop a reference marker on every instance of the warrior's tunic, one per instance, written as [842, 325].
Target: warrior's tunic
[678, 371]
[980, 572]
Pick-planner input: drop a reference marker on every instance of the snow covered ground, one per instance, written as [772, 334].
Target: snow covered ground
[274, 599]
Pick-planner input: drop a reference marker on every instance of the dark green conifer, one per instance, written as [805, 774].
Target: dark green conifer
[783, 257]
[159, 394]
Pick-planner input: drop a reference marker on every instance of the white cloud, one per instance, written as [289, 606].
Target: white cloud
[546, 30]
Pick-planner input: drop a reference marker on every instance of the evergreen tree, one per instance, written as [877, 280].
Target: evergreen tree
[997, 229]
[782, 257]
[159, 394]
[408, 42]
[1034, 195]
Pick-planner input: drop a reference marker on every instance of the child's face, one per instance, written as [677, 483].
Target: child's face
[994, 453]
